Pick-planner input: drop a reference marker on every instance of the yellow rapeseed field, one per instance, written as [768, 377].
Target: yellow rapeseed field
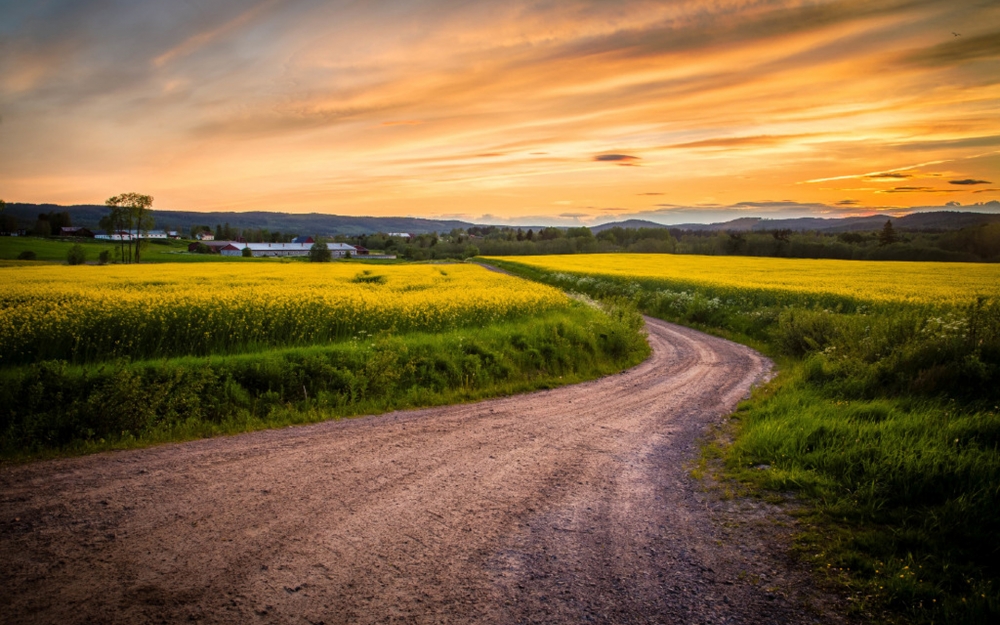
[877, 281]
[90, 313]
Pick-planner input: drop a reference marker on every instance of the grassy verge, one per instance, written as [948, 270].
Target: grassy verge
[884, 421]
[53, 408]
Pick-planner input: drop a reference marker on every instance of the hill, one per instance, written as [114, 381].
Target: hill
[937, 221]
[311, 223]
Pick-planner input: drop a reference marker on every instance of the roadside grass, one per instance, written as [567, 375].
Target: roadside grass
[884, 421]
[52, 408]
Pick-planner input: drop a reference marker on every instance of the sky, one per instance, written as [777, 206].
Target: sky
[549, 112]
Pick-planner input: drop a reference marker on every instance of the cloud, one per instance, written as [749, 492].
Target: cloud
[984, 141]
[573, 215]
[887, 177]
[728, 142]
[969, 181]
[650, 193]
[403, 122]
[986, 191]
[206, 37]
[624, 160]
[957, 50]
[847, 203]
[918, 190]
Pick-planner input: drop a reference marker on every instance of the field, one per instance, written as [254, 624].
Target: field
[864, 281]
[120, 355]
[54, 250]
[883, 419]
[89, 314]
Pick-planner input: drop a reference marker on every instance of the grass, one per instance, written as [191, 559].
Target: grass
[884, 421]
[53, 408]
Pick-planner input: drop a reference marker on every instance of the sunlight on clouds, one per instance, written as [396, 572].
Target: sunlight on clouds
[508, 107]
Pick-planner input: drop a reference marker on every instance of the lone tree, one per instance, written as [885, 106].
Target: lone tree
[888, 234]
[319, 253]
[130, 215]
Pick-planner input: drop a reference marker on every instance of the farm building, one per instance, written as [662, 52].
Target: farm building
[232, 249]
[122, 235]
[116, 235]
[74, 231]
[214, 246]
[235, 248]
[303, 240]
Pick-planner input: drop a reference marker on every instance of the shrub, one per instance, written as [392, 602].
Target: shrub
[76, 255]
[27, 255]
[104, 257]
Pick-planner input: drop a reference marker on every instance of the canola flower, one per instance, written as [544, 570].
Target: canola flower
[87, 314]
[872, 281]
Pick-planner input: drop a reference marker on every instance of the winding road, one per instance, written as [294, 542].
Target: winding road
[572, 505]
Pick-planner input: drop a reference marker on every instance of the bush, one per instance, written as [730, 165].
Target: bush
[104, 257]
[27, 255]
[76, 255]
[246, 253]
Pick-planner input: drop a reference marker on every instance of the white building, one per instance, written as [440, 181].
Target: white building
[337, 250]
[117, 235]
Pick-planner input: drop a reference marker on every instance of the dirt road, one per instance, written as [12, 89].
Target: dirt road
[565, 506]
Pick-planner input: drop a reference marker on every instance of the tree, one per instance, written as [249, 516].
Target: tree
[319, 253]
[130, 213]
[76, 255]
[888, 234]
[103, 257]
[42, 227]
[247, 253]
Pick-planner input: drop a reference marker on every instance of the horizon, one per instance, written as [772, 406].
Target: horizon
[576, 113]
[989, 208]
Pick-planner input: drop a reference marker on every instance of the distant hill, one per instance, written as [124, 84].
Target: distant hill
[938, 220]
[308, 224]
[89, 215]
[629, 223]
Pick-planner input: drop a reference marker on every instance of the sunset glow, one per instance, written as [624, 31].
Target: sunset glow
[505, 112]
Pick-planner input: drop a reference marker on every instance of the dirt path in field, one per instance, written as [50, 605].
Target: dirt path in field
[566, 506]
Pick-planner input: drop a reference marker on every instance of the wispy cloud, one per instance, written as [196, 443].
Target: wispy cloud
[436, 106]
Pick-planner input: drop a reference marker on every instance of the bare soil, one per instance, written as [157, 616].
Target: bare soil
[572, 505]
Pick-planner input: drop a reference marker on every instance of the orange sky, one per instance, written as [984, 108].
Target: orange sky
[554, 112]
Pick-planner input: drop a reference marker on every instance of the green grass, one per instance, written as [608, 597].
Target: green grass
[55, 249]
[884, 420]
[53, 408]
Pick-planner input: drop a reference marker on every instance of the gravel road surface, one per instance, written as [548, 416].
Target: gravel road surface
[573, 505]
